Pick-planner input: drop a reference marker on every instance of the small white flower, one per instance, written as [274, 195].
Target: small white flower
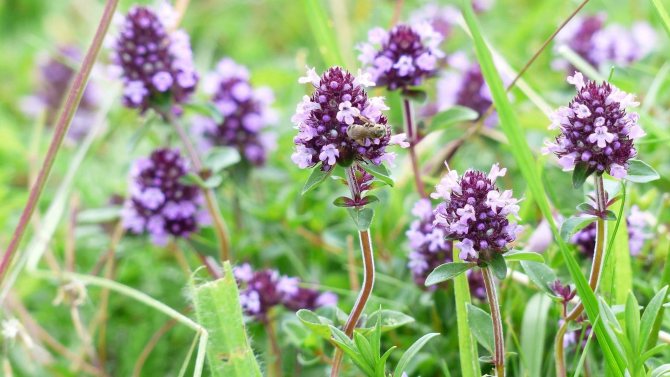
[329, 154]
[364, 79]
[618, 171]
[582, 111]
[577, 80]
[496, 172]
[347, 113]
[467, 249]
[404, 66]
[447, 185]
[601, 136]
[466, 213]
[400, 140]
[310, 77]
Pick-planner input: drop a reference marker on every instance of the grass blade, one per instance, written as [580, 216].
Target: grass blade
[525, 159]
[533, 333]
[324, 32]
[663, 14]
[218, 310]
[467, 346]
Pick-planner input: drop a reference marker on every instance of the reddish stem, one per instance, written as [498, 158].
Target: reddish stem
[62, 125]
[412, 138]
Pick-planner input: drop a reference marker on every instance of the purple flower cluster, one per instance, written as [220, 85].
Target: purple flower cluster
[475, 212]
[246, 112]
[431, 249]
[595, 129]
[323, 120]
[638, 223]
[403, 57]
[427, 242]
[156, 63]
[264, 289]
[601, 46]
[56, 73]
[463, 85]
[159, 202]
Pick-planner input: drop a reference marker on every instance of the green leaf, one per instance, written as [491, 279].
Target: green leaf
[213, 182]
[218, 310]
[632, 317]
[521, 255]
[579, 175]
[319, 325]
[416, 95]
[315, 179]
[99, 215]
[663, 14]
[641, 172]
[207, 109]
[616, 279]
[192, 179]
[411, 352]
[219, 158]
[585, 208]
[649, 317]
[533, 333]
[574, 224]
[481, 326]
[362, 217]
[371, 199]
[467, 348]
[447, 271]
[380, 172]
[526, 163]
[388, 320]
[455, 114]
[540, 274]
[341, 201]
[350, 349]
[498, 266]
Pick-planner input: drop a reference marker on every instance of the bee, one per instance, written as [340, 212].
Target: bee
[368, 130]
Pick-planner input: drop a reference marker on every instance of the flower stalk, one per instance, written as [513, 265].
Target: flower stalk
[499, 340]
[412, 138]
[368, 276]
[65, 118]
[210, 199]
[594, 278]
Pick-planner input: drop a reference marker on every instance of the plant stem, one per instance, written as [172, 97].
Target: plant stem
[412, 138]
[210, 199]
[492, 296]
[275, 348]
[594, 278]
[62, 125]
[364, 294]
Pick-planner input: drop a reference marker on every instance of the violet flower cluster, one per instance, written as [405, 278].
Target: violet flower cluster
[159, 202]
[463, 85]
[246, 112]
[156, 62]
[430, 249]
[402, 57]
[602, 45]
[56, 73]
[638, 223]
[475, 212]
[428, 243]
[264, 289]
[596, 130]
[323, 119]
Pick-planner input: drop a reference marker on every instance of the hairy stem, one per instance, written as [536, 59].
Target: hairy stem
[363, 296]
[499, 340]
[62, 125]
[594, 278]
[210, 199]
[412, 137]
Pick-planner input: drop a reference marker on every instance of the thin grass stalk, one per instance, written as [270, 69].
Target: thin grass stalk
[74, 95]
